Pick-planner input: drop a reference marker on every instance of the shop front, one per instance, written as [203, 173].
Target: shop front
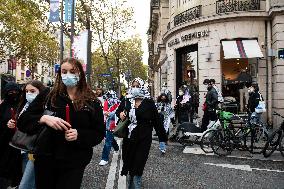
[233, 58]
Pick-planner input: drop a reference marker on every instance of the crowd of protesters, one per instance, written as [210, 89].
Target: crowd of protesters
[66, 147]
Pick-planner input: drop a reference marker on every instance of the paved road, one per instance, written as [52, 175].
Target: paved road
[178, 170]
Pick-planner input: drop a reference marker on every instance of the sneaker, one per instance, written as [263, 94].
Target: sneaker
[163, 151]
[103, 163]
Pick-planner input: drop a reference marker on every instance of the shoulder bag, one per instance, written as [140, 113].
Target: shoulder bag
[121, 130]
[27, 142]
[261, 107]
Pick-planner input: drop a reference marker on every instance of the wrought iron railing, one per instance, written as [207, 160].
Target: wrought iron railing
[155, 3]
[224, 6]
[187, 15]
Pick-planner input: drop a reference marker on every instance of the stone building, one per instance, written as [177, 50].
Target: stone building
[235, 42]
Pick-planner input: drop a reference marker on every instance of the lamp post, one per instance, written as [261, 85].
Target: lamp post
[89, 45]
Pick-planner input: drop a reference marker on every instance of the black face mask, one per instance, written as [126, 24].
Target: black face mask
[13, 98]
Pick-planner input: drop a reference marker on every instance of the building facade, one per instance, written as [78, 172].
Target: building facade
[235, 42]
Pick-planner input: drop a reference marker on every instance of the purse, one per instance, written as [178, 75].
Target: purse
[121, 130]
[261, 107]
[27, 142]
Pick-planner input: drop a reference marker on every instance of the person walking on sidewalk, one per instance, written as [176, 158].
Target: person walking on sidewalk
[29, 98]
[110, 105]
[183, 105]
[210, 106]
[143, 115]
[166, 113]
[67, 146]
[10, 158]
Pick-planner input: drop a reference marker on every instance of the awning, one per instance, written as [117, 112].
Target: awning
[241, 49]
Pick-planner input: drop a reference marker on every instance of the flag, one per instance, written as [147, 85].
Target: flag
[68, 10]
[54, 11]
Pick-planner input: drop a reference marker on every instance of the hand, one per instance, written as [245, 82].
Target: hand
[55, 122]
[11, 124]
[122, 116]
[106, 114]
[71, 135]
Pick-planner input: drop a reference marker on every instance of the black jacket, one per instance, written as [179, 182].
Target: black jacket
[211, 99]
[253, 101]
[182, 110]
[88, 121]
[10, 158]
[135, 150]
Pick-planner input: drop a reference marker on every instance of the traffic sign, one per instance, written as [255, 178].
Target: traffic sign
[281, 53]
[106, 75]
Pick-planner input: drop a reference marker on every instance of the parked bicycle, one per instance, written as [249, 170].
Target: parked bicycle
[275, 140]
[231, 136]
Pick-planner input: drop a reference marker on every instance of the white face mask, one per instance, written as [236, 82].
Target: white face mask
[31, 96]
[180, 93]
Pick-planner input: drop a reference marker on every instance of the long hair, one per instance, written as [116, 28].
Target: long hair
[83, 93]
[35, 83]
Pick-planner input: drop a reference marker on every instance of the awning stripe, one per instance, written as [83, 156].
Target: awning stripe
[241, 49]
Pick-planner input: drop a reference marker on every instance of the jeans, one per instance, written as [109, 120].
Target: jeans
[28, 179]
[162, 146]
[109, 142]
[134, 182]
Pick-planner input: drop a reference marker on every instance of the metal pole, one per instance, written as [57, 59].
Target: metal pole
[118, 68]
[61, 33]
[89, 53]
[72, 28]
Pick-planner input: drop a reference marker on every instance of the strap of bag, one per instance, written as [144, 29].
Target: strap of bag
[261, 97]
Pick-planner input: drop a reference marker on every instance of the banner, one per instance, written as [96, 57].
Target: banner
[68, 10]
[80, 47]
[54, 11]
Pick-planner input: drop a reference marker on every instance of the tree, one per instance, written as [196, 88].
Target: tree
[26, 32]
[109, 19]
[130, 61]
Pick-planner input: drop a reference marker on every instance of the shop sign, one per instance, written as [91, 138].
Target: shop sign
[194, 35]
[281, 53]
[188, 37]
[173, 42]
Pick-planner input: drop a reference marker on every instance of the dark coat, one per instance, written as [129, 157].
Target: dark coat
[10, 158]
[88, 121]
[135, 150]
[182, 110]
[211, 99]
[253, 101]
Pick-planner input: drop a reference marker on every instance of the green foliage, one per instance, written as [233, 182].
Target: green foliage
[130, 54]
[26, 33]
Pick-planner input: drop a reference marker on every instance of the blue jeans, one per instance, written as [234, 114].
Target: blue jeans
[28, 179]
[162, 146]
[109, 142]
[134, 182]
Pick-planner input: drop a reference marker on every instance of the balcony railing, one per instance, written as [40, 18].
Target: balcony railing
[187, 15]
[224, 6]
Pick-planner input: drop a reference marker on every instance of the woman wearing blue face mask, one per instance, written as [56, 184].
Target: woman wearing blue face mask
[67, 147]
[30, 92]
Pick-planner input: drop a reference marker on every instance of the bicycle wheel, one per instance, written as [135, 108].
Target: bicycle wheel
[272, 143]
[220, 143]
[259, 140]
[281, 145]
[205, 141]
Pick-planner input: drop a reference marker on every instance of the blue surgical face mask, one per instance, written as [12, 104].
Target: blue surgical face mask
[30, 97]
[70, 80]
[135, 91]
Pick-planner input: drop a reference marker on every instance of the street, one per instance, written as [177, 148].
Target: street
[181, 170]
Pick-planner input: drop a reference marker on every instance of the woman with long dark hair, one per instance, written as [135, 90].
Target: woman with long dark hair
[76, 126]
